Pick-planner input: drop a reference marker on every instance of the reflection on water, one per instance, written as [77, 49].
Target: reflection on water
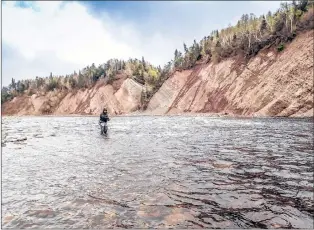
[157, 172]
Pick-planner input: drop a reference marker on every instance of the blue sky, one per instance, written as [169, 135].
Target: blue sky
[60, 37]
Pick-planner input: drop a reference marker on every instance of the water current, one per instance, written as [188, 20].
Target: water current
[157, 172]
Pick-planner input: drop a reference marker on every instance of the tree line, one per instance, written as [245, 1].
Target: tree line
[246, 38]
[249, 35]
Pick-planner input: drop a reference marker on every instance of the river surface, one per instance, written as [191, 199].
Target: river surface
[157, 172]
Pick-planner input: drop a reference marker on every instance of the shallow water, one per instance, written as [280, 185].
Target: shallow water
[157, 172]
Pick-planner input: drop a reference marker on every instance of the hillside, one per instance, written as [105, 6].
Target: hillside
[262, 66]
[271, 84]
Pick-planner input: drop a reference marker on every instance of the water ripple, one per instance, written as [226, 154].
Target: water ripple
[157, 172]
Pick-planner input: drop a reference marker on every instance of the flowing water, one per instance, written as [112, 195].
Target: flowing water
[157, 172]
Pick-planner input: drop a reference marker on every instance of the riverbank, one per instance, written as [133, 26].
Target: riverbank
[147, 114]
[270, 84]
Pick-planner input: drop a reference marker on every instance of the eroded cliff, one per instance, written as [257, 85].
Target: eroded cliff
[270, 84]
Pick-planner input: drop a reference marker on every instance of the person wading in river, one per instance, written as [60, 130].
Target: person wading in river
[104, 116]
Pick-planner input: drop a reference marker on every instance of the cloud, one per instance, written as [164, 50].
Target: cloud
[60, 37]
[40, 65]
[47, 37]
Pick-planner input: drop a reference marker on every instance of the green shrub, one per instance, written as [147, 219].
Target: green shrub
[280, 47]
[6, 96]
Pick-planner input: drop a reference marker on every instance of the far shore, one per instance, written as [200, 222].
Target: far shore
[138, 114]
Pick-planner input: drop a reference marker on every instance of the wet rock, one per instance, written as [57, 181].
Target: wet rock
[152, 212]
[47, 213]
[28, 225]
[159, 199]
[222, 165]
[278, 222]
[177, 216]
[7, 219]
[110, 214]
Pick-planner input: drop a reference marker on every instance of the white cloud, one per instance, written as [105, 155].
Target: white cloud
[41, 65]
[70, 35]
[62, 37]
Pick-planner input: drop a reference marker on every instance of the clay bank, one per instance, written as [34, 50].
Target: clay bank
[271, 83]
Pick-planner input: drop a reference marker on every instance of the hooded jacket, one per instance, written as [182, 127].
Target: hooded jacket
[104, 117]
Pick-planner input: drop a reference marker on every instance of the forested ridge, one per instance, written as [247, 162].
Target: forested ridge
[246, 39]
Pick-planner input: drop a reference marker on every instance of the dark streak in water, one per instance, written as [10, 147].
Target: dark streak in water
[108, 201]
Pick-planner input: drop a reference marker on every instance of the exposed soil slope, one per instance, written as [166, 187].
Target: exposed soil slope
[89, 101]
[270, 84]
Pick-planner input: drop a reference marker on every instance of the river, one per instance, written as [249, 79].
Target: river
[157, 172]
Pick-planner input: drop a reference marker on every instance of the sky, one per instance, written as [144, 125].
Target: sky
[63, 37]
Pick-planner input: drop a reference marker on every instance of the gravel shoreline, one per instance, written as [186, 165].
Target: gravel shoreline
[137, 114]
